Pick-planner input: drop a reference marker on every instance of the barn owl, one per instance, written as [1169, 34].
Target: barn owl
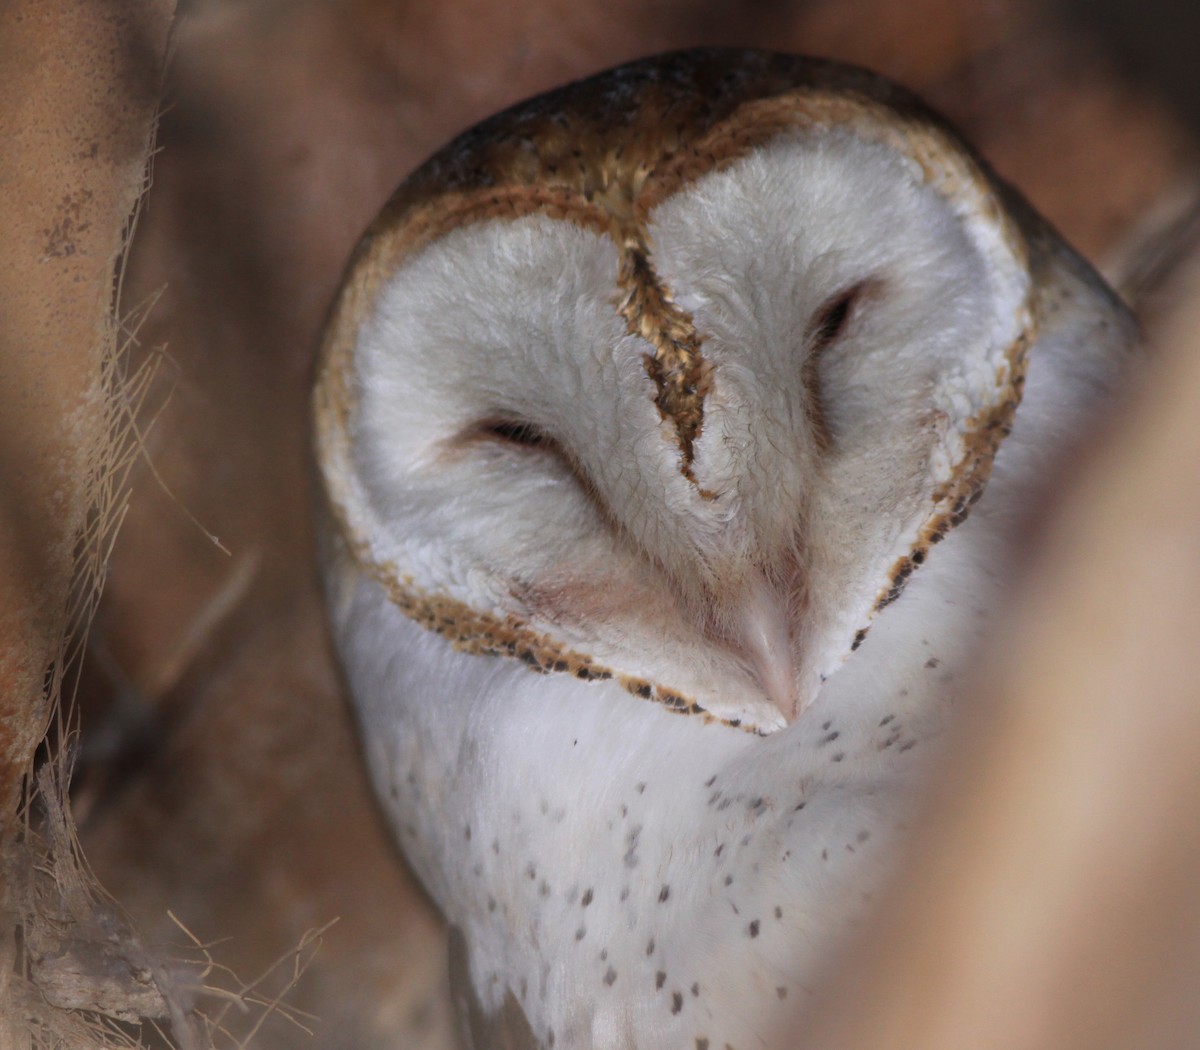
[649, 418]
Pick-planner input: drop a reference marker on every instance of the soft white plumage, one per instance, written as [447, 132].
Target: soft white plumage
[656, 841]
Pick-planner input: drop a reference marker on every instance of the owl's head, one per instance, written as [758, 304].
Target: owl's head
[676, 376]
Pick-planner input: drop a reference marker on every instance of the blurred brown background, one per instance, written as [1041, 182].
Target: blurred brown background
[218, 775]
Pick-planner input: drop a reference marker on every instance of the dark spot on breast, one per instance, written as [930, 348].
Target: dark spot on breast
[676, 1002]
[752, 929]
[664, 893]
[660, 979]
[610, 977]
[587, 897]
[696, 989]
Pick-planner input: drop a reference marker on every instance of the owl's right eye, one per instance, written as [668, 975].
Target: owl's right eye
[514, 432]
[502, 433]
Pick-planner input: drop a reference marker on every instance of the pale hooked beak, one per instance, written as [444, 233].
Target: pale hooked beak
[765, 637]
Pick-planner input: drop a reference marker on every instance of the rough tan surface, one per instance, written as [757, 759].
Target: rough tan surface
[80, 92]
[78, 102]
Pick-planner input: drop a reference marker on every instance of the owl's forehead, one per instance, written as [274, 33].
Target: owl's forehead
[604, 137]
